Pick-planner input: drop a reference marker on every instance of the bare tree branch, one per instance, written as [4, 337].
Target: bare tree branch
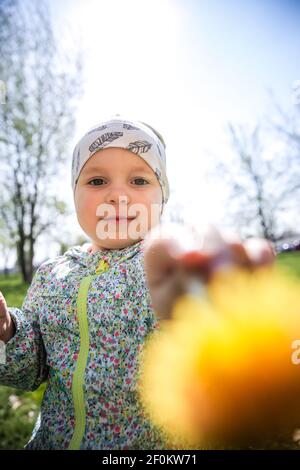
[36, 121]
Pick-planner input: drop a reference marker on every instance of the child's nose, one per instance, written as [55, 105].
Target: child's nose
[118, 195]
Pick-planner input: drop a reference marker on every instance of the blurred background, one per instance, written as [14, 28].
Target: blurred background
[219, 80]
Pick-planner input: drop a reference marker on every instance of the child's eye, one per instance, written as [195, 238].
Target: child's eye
[141, 179]
[96, 179]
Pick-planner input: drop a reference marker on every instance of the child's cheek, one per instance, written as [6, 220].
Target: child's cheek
[88, 203]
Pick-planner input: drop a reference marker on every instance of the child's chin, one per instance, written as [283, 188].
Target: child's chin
[118, 243]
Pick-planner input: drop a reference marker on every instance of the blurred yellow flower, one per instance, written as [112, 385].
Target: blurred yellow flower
[221, 369]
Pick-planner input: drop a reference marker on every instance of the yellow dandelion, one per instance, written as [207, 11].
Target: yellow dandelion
[221, 370]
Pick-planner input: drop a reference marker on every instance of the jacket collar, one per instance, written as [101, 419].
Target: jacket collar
[81, 254]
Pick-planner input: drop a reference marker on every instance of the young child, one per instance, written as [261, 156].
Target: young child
[88, 312]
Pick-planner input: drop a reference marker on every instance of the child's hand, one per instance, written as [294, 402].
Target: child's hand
[7, 329]
[173, 256]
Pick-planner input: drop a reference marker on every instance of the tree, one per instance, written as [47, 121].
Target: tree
[286, 125]
[64, 245]
[36, 121]
[261, 187]
[6, 246]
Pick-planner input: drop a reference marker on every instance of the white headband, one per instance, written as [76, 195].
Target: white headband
[134, 136]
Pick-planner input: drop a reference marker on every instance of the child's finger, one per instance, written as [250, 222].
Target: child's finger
[219, 251]
[239, 255]
[159, 259]
[3, 306]
[163, 248]
[260, 251]
[2, 298]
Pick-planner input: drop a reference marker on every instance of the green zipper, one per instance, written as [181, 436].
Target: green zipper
[78, 377]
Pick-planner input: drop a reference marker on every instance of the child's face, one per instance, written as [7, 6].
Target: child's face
[117, 183]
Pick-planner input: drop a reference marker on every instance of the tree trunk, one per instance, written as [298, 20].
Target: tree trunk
[31, 256]
[22, 262]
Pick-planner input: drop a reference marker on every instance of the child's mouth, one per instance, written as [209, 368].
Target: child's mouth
[119, 219]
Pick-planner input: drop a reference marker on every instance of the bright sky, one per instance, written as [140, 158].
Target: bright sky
[187, 67]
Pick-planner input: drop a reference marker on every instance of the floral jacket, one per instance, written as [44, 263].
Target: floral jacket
[81, 328]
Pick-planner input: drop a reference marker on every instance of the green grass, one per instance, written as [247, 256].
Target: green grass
[13, 289]
[18, 410]
[290, 262]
